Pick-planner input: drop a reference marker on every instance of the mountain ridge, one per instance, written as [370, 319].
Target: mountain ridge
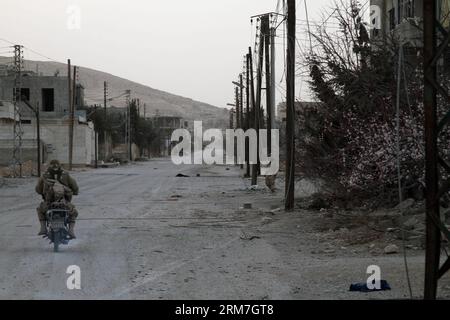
[158, 102]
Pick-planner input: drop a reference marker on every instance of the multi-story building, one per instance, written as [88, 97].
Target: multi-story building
[166, 125]
[51, 95]
[403, 19]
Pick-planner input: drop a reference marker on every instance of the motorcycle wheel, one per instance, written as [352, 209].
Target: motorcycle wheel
[56, 240]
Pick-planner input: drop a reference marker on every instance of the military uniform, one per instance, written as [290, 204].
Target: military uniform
[44, 188]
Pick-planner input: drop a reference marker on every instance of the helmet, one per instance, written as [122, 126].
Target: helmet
[54, 167]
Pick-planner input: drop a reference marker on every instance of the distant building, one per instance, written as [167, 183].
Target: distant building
[51, 95]
[400, 18]
[281, 110]
[165, 126]
[403, 20]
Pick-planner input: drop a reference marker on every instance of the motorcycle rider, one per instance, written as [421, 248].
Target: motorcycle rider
[43, 187]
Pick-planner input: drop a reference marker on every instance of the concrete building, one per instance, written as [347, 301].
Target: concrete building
[50, 95]
[403, 19]
[166, 125]
[281, 109]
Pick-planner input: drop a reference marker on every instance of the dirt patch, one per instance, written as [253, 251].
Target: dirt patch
[29, 169]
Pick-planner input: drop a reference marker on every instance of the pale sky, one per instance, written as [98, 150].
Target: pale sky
[191, 48]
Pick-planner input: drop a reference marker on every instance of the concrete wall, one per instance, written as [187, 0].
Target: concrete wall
[36, 84]
[55, 135]
[29, 151]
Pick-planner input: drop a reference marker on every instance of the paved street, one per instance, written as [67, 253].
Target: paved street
[143, 233]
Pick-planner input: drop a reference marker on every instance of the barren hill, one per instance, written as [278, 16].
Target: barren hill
[157, 101]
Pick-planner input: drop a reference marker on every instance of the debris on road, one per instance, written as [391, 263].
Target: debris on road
[244, 236]
[391, 249]
[247, 206]
[180, 175]
[107, 165]
[362, 287]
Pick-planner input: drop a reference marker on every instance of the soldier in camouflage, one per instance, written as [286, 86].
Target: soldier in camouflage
[43, 187]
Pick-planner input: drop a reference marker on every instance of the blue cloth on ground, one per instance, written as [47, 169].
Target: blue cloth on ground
[362, 287]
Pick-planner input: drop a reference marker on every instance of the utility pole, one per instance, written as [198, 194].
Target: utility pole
[290, 105]
[254, 167]
[38, 138]
[232, 118]
[272, 76]
[241, 99]
[105, 96]
[17, 98]
[96, 148]
[69, 98]
[259, 83]
[126, 130]
[128, 112]
[269, 106]
[433, 235]
[241, 107]
[247, 113]
[72, 117]
[238, 107]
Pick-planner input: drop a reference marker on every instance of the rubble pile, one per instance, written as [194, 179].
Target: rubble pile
[383, 231]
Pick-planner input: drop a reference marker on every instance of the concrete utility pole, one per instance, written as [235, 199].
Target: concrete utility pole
[247, 113]
[241, 104]
[272, 77]
[232, 118]
[238, 107]
[269, 107]
[290, 106]
[38, 138]
[105, 96]
[96, 149]
[254, 167]
[72, 117]
[259, 83]
[69, 98]
[241, 99]
[128, 121]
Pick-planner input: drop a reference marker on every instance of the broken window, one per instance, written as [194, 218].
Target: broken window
[48, 100]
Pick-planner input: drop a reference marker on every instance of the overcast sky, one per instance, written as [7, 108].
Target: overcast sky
[191, 48]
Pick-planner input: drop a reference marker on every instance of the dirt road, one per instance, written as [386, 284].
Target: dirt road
[143, 233]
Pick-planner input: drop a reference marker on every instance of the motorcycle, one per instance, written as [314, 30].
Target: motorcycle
[57, 216]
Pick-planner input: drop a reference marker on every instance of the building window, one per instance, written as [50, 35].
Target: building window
[48, 100]
[24, 93]
[405, 9]
[410, 8]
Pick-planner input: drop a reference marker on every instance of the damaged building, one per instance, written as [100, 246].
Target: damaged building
[51, 95]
